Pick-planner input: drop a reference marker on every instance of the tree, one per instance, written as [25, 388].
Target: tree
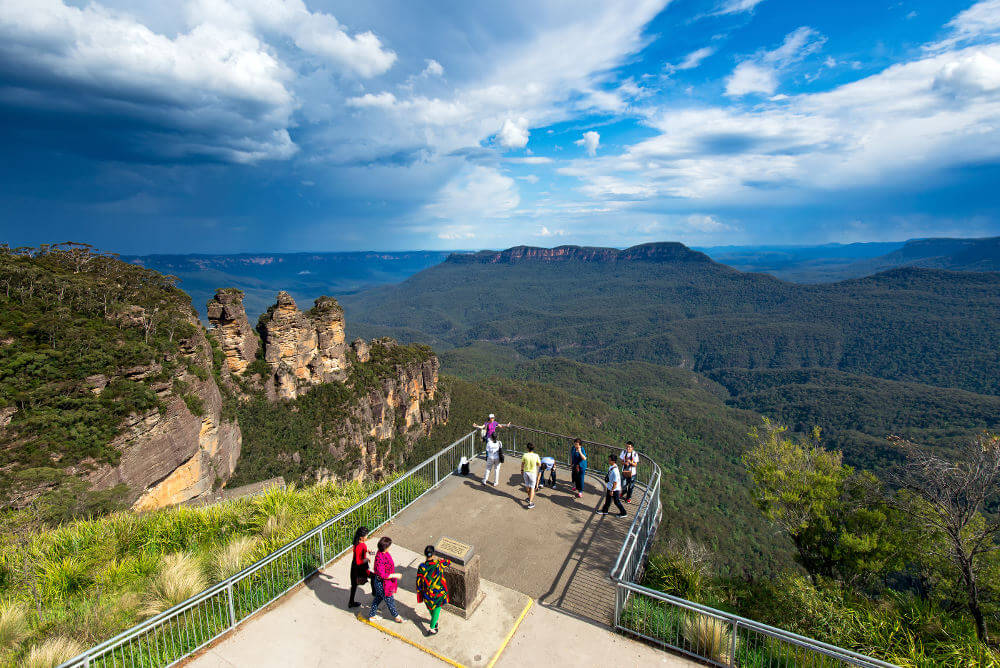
[948, 497]
[837, 518]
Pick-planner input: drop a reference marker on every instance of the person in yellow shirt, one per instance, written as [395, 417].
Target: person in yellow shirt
[529, 470]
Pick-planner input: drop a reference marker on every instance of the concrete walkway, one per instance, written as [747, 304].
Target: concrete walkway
[558, 554]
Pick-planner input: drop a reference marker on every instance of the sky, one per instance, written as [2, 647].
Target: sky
[266, 125]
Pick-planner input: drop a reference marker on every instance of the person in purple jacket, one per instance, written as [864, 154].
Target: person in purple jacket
[489, 428]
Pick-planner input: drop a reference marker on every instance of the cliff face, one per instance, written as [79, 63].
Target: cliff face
[172, 454]
[654, 252]
[403, 406]
[237, 339]
[303, 349]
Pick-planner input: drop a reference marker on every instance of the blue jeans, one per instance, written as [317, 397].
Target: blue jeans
[378, 591]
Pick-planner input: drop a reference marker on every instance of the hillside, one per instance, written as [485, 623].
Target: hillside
[950, 254]
[928, 326]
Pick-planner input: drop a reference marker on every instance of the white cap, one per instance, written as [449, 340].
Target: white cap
[492, 416]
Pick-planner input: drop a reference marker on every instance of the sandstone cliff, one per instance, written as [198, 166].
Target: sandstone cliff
[236, 338]
[182, 450]
[304, 349]
[652, 252]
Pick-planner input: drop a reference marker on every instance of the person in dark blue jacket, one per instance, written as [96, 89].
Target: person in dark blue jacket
[578, 465]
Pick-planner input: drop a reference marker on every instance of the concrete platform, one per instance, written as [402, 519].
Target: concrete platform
[558, 553]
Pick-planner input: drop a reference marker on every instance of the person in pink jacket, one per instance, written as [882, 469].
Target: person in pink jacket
[385, 580]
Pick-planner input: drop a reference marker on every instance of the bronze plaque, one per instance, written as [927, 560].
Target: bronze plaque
[454, 550]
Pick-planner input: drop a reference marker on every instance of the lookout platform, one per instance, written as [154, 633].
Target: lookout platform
[545, 572]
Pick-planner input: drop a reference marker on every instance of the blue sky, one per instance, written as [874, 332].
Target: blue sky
[258, 125]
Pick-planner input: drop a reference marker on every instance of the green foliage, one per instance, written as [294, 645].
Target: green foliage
[71, 321]
[88, 580]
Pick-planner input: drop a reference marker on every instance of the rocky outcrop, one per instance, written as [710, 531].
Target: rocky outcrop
[654, 252]
[361, 349]
[386, 420]
[172, 455]
[303, 349]
[237, 339]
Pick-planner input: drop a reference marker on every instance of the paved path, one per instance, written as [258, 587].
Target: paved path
[558, 554]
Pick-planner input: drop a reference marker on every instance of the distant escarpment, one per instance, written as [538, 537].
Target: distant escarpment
[107, 398]
[652, 252]
[315, 407]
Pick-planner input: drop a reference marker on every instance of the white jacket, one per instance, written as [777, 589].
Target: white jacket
[493, 449]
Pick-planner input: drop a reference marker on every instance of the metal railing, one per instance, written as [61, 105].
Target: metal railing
[176, 633]
[713, 636]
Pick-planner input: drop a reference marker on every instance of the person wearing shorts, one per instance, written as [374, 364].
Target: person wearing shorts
[548, 466]
[529, 470]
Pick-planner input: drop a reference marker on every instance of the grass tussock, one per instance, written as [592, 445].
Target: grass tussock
[708, 637]
[52, 652]
[179, 579]
[91, 579]
[13, 624]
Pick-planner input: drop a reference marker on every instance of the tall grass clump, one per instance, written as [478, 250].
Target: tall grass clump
[179, 579]
[232, 557]
[52, 652]
[13, 624]
[708, 637]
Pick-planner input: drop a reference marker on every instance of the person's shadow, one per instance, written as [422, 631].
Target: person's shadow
[490, 489]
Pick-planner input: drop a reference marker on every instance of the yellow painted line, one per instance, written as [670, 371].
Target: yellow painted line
[510, 636]
[423, 648]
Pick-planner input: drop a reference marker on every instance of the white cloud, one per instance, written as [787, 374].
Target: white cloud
[737, 6]
[546, 232]
[759, 74]
[214, 88]
[590, 141]
[433, 69]
[513, 133]
[475, 193]
[978, 22]
[383, 100]
[975, 74]
[530, 178]
[704, 223]
[693, 59]
[530, 160]
[750, 77]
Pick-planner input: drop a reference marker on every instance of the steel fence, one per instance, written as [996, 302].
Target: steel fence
[710, 635]
[175, 634]
[714, 636]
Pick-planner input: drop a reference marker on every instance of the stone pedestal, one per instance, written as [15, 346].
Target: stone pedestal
[464, 594]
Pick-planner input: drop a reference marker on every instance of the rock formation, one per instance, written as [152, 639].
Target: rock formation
[304, 349]
[403, 405]
[237, 339]
[652, 252]
[173, 455]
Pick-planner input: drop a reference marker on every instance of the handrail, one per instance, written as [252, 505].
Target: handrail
[226, 586]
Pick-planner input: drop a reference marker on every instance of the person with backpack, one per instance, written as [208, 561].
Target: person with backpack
[359, 564]
[385, 581]
[578, 465]
[630, 466]
[432, 588]
[494, 454]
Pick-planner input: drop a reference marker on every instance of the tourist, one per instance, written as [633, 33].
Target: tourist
[578, 462]
[613, 483]
[630, 466]
[493, 454]
[432, 588]
[548, 466]
[359, 564]
[529, 471]
[384, 580]
[489, 428]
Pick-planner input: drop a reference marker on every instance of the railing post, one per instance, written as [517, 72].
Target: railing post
[436, 478]
[232, 608]
[388, 503]
[322, 548]
[732, 644]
